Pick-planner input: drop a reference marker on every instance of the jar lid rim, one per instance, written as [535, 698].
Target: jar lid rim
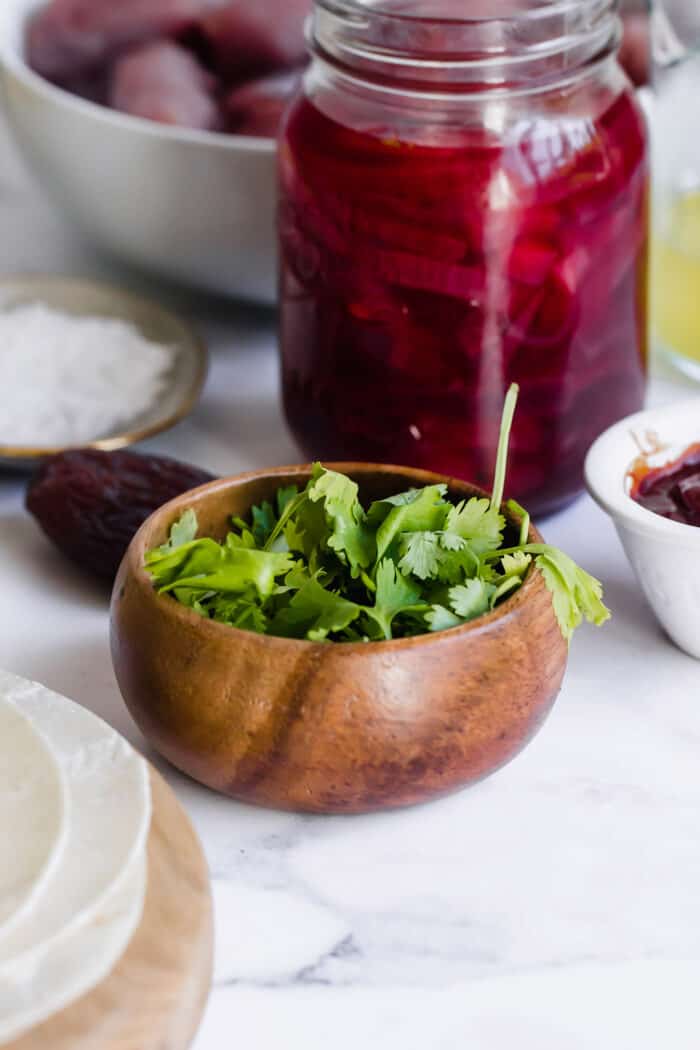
[545, 9]
[532, 46]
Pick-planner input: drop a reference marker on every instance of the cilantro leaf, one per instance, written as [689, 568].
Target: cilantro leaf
[292, 507]
[457, 559]
[192, 599]
[575, 594]
[244, 612]
[477, 522]
[297, 576]
[394, 595]
[425, 510]
[420, 554]
[285, 496]
[338, 490]
[314, 613]
[451, 542]
[516, 564]
[264, 521]
[471, 599]
[380, 509]
[350, 537]
[183, 531]
[194, 558]
[234, 571]
[307, 532]
[246, 540]
[441, 619]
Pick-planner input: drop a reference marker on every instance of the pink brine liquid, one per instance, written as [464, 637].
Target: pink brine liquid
[425, 269]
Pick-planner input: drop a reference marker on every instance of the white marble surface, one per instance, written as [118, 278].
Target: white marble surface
[554, 907]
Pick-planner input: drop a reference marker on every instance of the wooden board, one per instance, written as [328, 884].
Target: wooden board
[155, 996]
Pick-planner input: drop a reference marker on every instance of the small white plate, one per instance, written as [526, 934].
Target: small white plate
[85, 298]
[109, 807]
[33, 815]
[664, 554]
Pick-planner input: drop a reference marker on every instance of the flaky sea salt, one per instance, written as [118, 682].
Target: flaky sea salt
[68, 380]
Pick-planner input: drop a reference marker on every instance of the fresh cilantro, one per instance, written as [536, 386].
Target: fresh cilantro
[191, 559]
[516, 511]
[236, 570]
[441, 619]
[471, 599]
[395, 594]
[314, 613]
[516, 564]
[499, 478]
[350, 537]
[420, 554]
[284, 497]
[182, 532]
[478, 523]
[316, 565]
[264, 521]
[503, 589]
[576, 595]
[420, 510]
[306, 533]
[244, 612]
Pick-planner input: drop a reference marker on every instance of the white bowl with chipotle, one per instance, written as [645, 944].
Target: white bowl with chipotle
[152, 124]
[645, 473]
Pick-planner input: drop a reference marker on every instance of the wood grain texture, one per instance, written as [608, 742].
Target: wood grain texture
[329, 728]
[155, 996]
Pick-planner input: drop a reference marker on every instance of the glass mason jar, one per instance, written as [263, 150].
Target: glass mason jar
[464, 204]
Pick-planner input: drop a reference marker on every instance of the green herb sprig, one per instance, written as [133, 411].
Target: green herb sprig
[317, 565]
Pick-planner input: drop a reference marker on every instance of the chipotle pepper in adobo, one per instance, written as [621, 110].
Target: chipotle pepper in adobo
[673, 491]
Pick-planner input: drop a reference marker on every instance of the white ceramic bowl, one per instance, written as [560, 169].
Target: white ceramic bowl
[665, 555]
[194, 207]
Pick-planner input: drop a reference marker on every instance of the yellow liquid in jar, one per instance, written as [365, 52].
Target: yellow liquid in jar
[676, 278]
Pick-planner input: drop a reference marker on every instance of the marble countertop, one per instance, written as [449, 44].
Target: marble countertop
[555, 906]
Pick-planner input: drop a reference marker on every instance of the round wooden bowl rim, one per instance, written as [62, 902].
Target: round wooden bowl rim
[135, 558]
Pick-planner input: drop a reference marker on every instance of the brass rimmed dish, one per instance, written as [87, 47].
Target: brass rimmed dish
[87, 298]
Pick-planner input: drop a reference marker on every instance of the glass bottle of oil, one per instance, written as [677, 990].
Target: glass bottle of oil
[676, 137]
[676, 277]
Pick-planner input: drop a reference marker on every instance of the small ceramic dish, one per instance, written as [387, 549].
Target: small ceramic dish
[84, 298]
[326, 727]
[665, 555]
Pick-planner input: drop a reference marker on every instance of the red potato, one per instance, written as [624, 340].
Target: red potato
[254, 37]
[256, 108]
[164, 82]
[68, 39]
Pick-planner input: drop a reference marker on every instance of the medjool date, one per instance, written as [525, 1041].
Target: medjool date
[90, 504]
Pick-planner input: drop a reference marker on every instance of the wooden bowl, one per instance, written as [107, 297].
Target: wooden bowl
[323, 727]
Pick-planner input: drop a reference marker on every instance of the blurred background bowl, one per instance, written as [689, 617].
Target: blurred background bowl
[190, 206]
